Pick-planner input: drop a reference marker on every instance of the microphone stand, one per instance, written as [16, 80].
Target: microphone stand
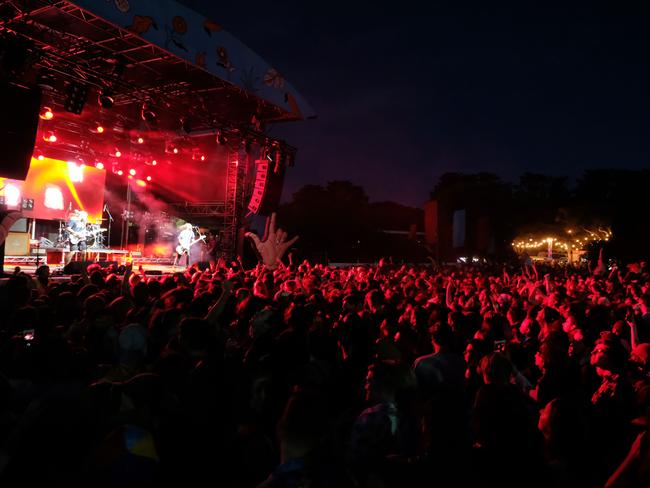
[110, 223]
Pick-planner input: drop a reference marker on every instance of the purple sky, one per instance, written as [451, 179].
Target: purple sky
[405, 92]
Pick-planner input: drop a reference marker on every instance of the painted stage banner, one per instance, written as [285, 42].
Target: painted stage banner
[202, 42]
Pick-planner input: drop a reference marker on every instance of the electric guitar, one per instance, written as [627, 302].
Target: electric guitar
[180, 249]
[76, 237]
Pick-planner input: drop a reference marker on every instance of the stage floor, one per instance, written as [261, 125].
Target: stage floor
[152, 268]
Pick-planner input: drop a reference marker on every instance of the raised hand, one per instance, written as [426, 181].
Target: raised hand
[274, 245]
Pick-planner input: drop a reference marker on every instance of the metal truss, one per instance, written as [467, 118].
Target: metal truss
[201, 209]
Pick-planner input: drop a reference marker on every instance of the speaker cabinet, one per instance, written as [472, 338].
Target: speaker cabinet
[17, 244]
[18, 128]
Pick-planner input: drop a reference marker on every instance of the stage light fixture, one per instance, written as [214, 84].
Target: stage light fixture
[46, 113]
[27, 203]
[221, 138]
[175, 150]
[117, 153]
[99, 129]
[132, 172]
[76, 98]
[120, 172]
[50, 137]
[186, 125]
[154, 162]
[148, 178]
[105, 99]
[140, 140]
[40, 157]
[45, 80]
[99, 165]
[147, 113]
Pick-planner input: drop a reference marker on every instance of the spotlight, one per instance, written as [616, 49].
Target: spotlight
[40, 157]
[140, 140]
[202, 157]
[105, 98]
[76, 98]
[148, 114]
[99, 129]
[49, 137]
[120, 172]
[154, 162]
[117, 153]
[46, 113]
[132, 172]
[175, 150]
[148, 178]
[99, 165]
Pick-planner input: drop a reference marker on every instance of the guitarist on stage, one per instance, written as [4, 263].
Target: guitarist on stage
[76, 229]
[185, 242]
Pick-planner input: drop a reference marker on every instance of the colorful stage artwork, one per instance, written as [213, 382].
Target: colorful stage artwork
[53, 188]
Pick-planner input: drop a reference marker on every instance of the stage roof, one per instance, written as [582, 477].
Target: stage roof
[157, 51]
[202, 42]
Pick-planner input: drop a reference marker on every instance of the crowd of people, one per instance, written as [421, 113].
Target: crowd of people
[303, 375]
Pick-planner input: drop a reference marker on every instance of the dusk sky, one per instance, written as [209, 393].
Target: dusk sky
[405, 92]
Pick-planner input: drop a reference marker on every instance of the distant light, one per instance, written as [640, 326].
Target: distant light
[53, 197]
[100, 129]
[148, 178]
[140, 140]
[120, 172]
[175, 150]
[132, 172]
[141, 183]
[154, 162]
[202, 157]
[75, 172]
[99, 165]
[130, 177]
[118, 153]
[40, 157]
[50, 137]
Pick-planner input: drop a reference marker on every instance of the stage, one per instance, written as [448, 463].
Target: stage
[55, 259]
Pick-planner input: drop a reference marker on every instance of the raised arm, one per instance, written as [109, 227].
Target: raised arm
[273, 246]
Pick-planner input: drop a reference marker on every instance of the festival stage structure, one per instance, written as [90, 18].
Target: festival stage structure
[148, 114]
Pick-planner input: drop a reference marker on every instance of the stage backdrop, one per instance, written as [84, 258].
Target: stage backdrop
[53, 188]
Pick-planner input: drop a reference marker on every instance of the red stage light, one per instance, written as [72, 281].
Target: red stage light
[132, 172]
[175, 150]
[118, 153]
[154, 162]
[140, 140]
[120, 172]
[100, 129]
[50, 137]
[148, 178]
[202, 157]
[99, 165]
[141, 183]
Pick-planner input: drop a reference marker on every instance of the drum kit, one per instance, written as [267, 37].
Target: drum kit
[94, 236]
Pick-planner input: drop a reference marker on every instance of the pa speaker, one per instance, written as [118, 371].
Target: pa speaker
[267, 189]
[18, 129]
